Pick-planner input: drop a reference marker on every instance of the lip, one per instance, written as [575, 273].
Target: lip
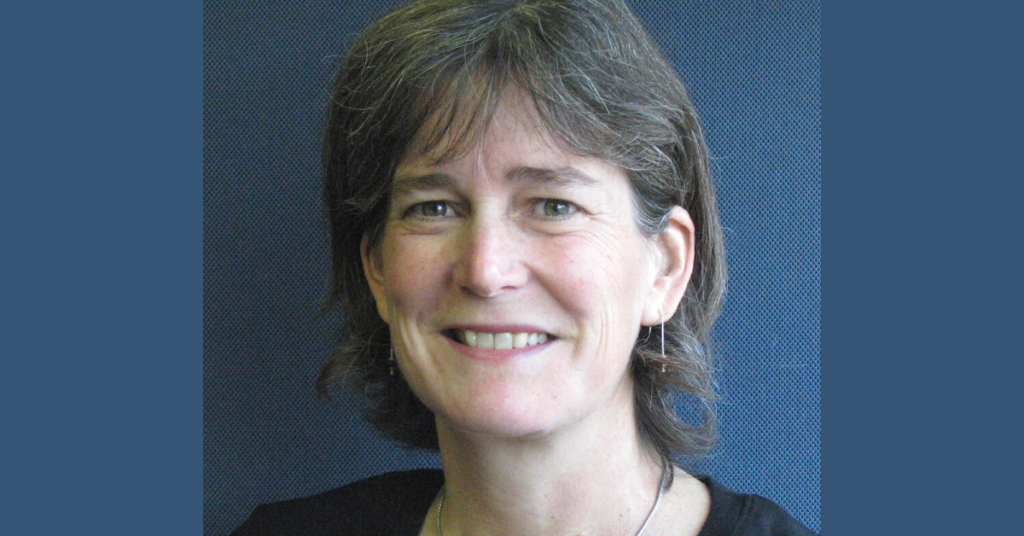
[490, 355]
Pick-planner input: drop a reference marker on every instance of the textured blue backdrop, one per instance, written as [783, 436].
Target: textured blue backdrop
[753, 69]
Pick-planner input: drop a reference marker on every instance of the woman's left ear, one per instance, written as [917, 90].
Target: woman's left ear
[676, 247]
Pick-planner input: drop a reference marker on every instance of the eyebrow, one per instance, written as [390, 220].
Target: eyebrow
[565, 176]
[413, 183]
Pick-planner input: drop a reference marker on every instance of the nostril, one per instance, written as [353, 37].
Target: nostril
[489, 263]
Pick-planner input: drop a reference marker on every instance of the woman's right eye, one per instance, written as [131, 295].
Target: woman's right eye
[430, 209]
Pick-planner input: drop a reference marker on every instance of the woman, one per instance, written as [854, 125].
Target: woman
[528, 256]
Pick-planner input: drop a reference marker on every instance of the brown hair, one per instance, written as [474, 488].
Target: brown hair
[600, 85]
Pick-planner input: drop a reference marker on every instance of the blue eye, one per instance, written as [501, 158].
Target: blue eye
[430, 209]
[557, 208]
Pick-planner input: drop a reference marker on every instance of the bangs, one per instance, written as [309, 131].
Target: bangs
[455, 111]
[437, 92]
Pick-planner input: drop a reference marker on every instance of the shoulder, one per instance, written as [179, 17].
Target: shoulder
[392, 503]
[738, 514]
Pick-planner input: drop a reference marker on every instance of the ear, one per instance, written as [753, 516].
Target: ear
[676, 246]
[372, 269]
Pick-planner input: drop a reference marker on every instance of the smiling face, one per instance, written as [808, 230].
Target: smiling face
[515, 281]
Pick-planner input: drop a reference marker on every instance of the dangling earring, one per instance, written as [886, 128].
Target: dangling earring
[662, 316]
[391, 361]
[662, 347]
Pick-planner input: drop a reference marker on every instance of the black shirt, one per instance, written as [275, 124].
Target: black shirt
[395, 504]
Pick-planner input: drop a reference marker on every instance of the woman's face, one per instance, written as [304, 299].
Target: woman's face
[486, 256]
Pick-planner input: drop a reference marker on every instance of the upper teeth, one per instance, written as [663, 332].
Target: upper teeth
[501, 341]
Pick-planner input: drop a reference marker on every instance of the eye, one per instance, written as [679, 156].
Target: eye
[557, 208]
[430, 209]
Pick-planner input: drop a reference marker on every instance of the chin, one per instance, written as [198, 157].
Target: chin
[502, 415]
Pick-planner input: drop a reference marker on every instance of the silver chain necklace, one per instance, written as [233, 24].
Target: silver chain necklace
[657, 501]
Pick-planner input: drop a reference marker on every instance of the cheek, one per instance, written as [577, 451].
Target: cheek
[601, 282]
[414, 279]
[601, 271]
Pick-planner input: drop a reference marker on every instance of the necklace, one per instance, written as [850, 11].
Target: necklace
[657, 501]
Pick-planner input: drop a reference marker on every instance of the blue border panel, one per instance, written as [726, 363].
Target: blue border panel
[101, 272]
[923, 267]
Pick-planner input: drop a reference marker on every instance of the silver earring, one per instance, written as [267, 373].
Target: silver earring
[662, 347]
[391, 361]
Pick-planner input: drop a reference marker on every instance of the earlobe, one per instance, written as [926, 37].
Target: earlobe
[375, 277]
[676, 243]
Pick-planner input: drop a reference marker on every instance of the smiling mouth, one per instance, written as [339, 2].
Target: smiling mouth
[497, 341]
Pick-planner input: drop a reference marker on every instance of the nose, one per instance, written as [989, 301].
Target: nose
[490, 262]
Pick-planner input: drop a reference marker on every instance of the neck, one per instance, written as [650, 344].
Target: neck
[595, 478]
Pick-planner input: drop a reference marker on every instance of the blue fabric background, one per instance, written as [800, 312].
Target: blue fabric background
[753, 69]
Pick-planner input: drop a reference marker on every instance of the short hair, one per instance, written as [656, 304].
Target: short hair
[601, 86]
